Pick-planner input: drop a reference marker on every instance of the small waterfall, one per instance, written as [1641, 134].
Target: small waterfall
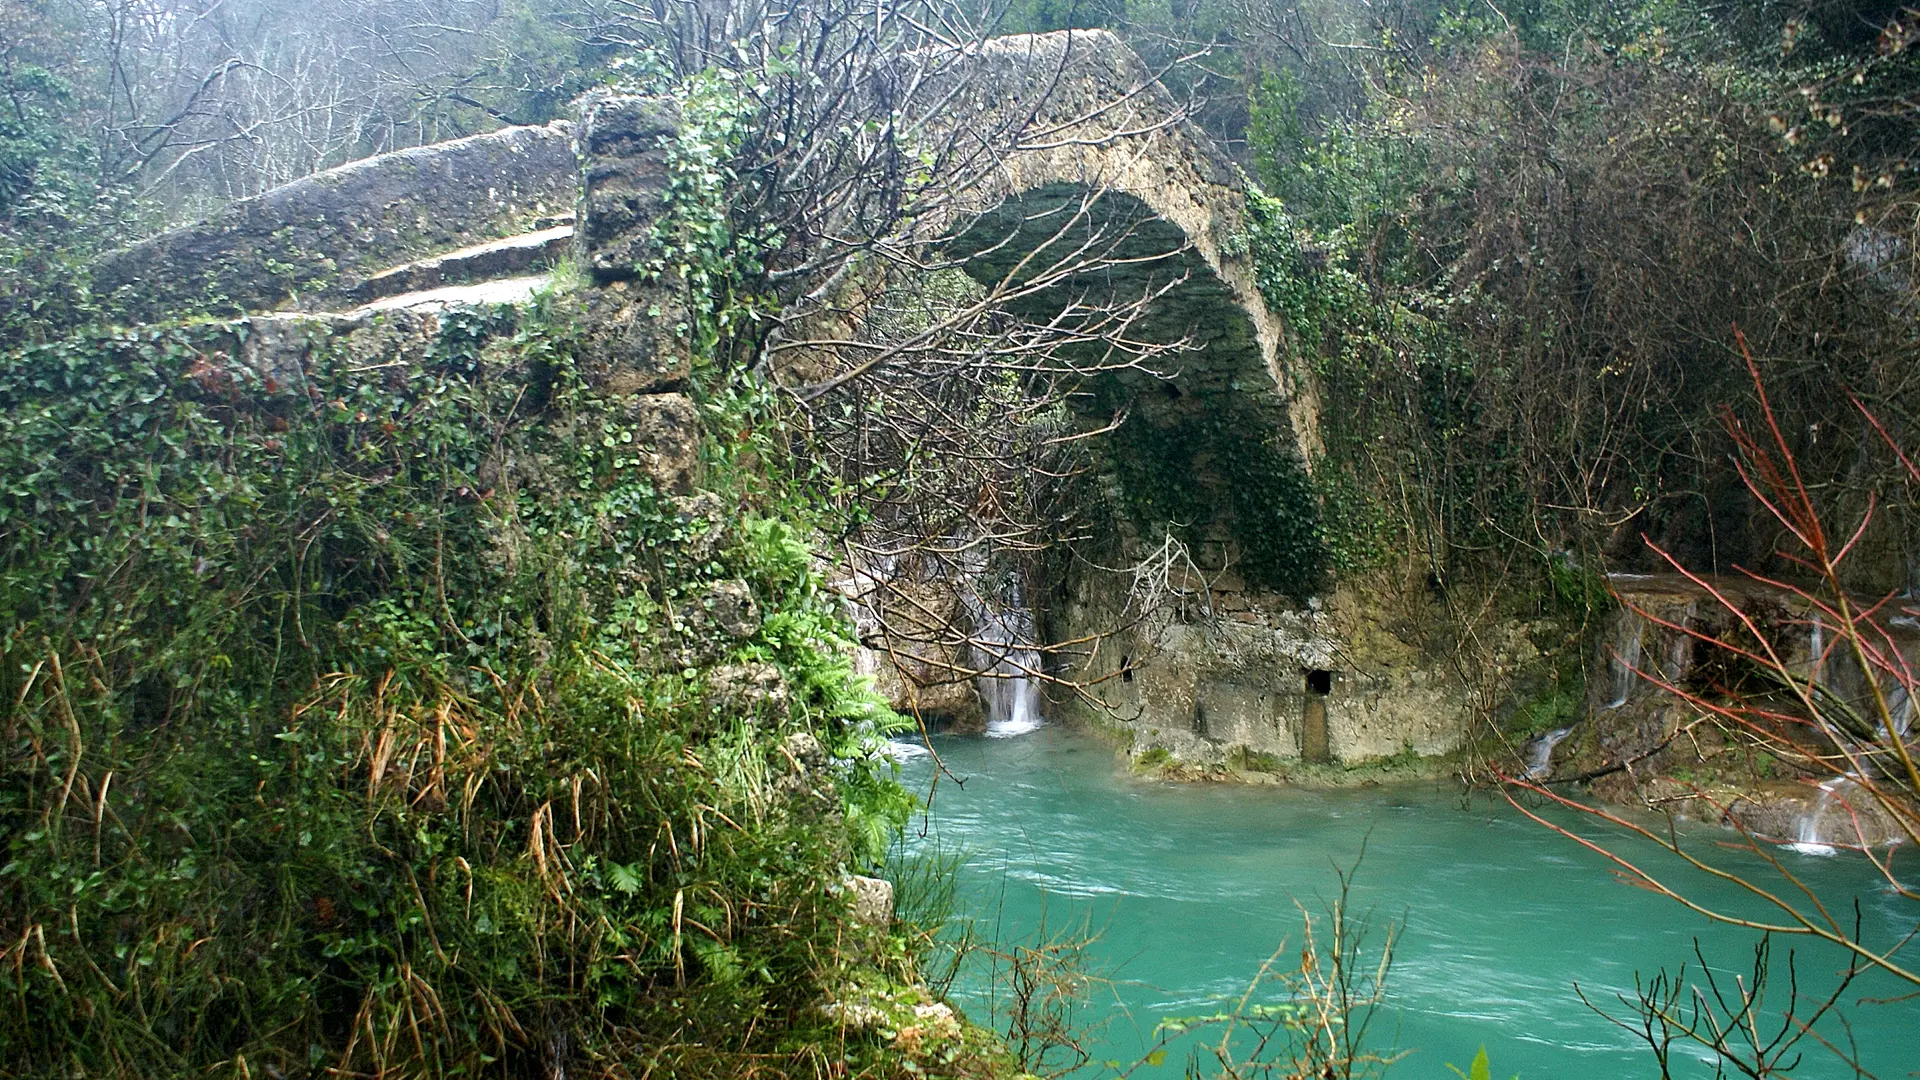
[1540, 753]
[1004, 653]
[1812, 837]
[1900, 707]
[1680, 648]
[1623, 655]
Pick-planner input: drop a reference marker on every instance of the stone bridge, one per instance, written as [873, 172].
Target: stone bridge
[502, 206]
[1245, 671]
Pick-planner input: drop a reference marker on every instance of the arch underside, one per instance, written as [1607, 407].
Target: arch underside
[1204, 451]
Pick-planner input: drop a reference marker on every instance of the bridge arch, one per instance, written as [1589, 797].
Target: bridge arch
[1093, 118]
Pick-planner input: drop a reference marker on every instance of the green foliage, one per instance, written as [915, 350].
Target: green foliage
[32, 142]
[1467, 230]
[1249, 760]
[1404, 393]
[1353, 525]
[701, 243]
[1580, 590]
[1153, 757]
[53, 212]
[1164, 471]
[362, 716]
[1481, 1069]
[1560, 704]
[1042, 16]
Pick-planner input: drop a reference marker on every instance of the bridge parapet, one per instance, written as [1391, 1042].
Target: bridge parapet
[315, 240]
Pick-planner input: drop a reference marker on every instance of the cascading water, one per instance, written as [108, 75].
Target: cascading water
[1900, 707]
[1005, 655]
[1624, 655]
[1680, 648]
[1540, 753]
[1812, 838]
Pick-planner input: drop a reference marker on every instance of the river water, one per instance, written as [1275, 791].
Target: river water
[1191, 886]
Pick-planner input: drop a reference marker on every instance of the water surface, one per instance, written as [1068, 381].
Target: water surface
[1192, 886]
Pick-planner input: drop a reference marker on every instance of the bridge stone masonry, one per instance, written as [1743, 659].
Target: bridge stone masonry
[1241, 677]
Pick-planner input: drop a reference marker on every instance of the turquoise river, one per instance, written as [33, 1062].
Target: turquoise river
[1191, 886]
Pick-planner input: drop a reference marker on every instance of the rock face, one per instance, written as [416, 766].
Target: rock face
[669, 426]
[491, 261]
[635, 337]
[278, 348]
[1651, 746]
[325, 232]
[872, 900]
[920, 669]
[1228, 678]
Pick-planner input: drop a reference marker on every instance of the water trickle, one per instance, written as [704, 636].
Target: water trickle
[1007, 660]
[1900, 707]
[1623, 655]
[1540, 753]
[1680, 649]
[1812, 838]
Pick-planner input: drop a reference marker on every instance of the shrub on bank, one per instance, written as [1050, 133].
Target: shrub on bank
[369, 708]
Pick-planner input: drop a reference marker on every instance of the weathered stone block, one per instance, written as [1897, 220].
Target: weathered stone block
[622, 147]
[634, 340]
[668, 427]
[731, 606]
[872, 900]
[748, 690]
[615, 124]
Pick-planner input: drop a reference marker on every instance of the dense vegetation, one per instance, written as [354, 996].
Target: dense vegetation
[1519, 236]
[405, 723]
[1520, 239]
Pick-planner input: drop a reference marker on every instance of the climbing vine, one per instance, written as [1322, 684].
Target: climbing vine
[1174, 475]
[380, 712]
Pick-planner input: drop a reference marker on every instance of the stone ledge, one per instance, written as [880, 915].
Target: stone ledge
[321, 233]
[493, 260]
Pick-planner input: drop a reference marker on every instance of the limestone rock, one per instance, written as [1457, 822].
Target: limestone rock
[667, 427]
[525, 257]
[914, 686]
[731, 606]
[872, 900]
[750, 690]
[633, 339]
[275, 349]
[804, 751]
[622, 148]
[703, 517]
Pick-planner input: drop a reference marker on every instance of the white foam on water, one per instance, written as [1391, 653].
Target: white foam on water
[1005, 656]
[1812, 838]
[903, 749]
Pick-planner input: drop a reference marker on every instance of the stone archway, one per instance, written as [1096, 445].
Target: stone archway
[1096, 119]
[1234, 667]
[1206, 474]
[1255, 665]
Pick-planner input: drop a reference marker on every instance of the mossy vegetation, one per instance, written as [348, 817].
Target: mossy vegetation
[366, 714]
[1176, 475]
